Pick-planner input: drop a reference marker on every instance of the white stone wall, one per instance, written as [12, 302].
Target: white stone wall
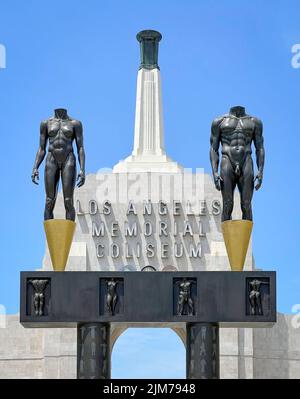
[36, 353]
[21, 354]
[277, 351]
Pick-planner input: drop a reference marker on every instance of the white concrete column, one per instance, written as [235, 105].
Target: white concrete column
[148, 132]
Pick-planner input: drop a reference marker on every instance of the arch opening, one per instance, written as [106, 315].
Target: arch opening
[149, 353]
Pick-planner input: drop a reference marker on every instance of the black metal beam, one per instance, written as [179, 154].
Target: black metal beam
[72, 298]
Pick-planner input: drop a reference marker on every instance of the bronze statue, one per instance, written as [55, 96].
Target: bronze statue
[255, 297]
[60, 131]
[39, 295]
[236, 131]
[111, 296]
[185, 299]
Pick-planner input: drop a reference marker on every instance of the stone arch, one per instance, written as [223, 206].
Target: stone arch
[115, 333]
[148, 268]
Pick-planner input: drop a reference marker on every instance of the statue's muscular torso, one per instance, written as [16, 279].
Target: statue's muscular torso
[185, 289]
[61, 135]
[236, 135]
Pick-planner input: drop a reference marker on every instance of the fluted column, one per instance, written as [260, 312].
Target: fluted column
[93, 351]
[148, 133]
[202, 351]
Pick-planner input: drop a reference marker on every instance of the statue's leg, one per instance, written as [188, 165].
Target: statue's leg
[180, 306]
[41, 305]
[258, 301]
[51, 185]
[109, 303]
[36, 304]
[68, 176]
[246, 185]
[252, 303]
[191, 307]
[114, 302]
[228, 186]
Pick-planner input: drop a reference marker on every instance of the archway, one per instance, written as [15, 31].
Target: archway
[148, 353]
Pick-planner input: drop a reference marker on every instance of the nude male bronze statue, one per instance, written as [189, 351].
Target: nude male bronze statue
[111, 296]
[255, 296]
[184, 298]
[39, 286]
[236, 131]
[60, 131]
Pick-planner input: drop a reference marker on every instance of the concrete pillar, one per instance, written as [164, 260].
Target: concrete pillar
[148, 133]
[93, 351]
[202, 351]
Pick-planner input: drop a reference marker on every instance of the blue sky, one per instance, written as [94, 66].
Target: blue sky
[84, 56]
[156, 353]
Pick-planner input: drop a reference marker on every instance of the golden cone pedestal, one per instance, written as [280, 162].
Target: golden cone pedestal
[59, 235]
[237, 235]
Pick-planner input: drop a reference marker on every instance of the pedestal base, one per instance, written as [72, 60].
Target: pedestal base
[237, 235]
[59, 235]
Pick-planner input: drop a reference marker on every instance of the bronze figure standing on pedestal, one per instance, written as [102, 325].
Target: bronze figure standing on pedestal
[60, 132]
[236, 131]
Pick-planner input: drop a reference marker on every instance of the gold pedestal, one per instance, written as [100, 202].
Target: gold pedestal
[59, 234]
[237, 235]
